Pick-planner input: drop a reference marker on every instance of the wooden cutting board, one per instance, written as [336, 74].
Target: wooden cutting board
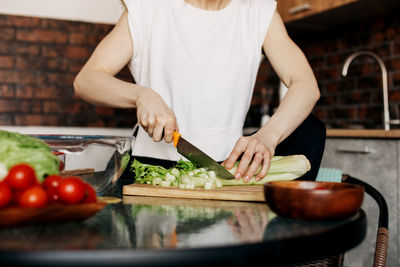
[182, 202]
[236, 193]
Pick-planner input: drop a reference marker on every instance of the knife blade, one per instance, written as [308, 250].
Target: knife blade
[201, 159]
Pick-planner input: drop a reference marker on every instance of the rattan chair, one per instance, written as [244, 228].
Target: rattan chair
[382, 237]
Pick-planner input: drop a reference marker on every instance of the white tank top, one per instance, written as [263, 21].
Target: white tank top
[204, 65]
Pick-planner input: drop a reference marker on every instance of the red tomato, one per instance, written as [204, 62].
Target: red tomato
[51, 184]
[21, 176]
[15, 197]
[90, 196]
[52, 194]
[34, 197]
[5, 194]
[52, 181]
[71, 190]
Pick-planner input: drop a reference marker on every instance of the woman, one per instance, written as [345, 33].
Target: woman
[195, 64]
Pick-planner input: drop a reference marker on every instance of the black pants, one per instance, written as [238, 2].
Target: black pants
[308, 139]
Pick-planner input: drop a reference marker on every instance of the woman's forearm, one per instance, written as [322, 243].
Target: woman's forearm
[292, 67]
[96, 83]
[292, 111]
[100, 88]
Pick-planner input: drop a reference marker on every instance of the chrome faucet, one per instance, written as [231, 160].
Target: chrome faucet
[346, 65]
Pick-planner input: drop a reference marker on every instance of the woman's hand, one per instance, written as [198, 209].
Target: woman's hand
[256, 151]
[155, 116]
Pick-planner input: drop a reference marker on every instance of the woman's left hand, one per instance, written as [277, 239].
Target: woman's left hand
[256, 152]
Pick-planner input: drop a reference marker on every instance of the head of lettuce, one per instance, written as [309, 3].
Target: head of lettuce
[18, 148]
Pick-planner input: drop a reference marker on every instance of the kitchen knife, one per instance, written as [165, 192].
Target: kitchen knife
[200, 158]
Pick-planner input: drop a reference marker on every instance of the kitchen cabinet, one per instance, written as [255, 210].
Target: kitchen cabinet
[296, 9]
[377, 162]
[305, 16]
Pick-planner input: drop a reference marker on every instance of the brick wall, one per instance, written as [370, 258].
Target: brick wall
[355, 100]
[39, 59]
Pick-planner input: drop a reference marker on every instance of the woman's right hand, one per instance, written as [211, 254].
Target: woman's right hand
[156, 118]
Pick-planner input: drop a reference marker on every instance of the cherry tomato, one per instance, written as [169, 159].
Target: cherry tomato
[5, 195]
[50, 184]
[52, 181]
[90, 195]
[21, 176]
[15, 197]
[34, 197]
[52, 194]
[71, 190]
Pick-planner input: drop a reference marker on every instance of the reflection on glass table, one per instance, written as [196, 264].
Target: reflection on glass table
[166, 222]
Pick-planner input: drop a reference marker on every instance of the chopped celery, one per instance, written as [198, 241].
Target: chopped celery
[175, 172]
[211, 174]
[157, 181]
[185, 175]
[145, 173]
[170, 177]
[165, 183]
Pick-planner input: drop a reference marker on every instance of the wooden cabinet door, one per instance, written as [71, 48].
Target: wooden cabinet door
[295, 9]
[374, 161]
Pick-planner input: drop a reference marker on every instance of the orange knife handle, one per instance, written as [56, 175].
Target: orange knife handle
[175, 137]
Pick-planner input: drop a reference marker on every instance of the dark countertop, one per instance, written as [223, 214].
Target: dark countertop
[163, 231]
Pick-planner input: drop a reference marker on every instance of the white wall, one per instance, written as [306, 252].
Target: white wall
[98, 11]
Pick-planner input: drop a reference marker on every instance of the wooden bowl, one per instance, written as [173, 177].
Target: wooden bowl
[313, 200]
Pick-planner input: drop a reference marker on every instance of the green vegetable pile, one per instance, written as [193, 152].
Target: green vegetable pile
[18, 148]
[186, 175]
[158, 175]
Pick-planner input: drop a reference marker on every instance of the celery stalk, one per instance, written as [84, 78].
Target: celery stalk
[281, 168]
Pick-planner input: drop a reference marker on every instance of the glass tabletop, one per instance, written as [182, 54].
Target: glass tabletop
[141, 224]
